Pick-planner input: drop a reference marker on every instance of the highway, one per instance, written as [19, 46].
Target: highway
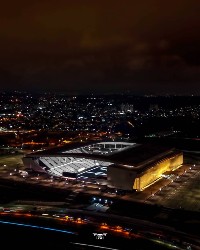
[85, 223]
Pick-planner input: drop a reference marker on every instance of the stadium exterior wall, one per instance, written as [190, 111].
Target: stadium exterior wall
[155, 172]
[32, 163]
[120, 178]
[129, 179]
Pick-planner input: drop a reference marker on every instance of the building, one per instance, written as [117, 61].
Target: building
[124, 165]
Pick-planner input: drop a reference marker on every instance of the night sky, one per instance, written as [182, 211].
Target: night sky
[97, 46]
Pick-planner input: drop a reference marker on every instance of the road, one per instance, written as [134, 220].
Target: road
[93, 222]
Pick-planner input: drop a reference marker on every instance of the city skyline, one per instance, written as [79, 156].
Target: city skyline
[100, 47]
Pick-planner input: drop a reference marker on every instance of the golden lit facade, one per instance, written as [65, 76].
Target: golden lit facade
[155, 172]
[140, 177]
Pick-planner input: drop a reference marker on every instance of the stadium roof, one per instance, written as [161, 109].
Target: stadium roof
[138, 156]
[59, 149]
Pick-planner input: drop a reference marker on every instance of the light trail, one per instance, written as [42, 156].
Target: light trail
[168, 244]
[38, 227]
[82, 244]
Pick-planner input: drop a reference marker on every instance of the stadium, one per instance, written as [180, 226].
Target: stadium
[123, 165]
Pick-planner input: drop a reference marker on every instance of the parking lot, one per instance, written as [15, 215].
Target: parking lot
[182, 190]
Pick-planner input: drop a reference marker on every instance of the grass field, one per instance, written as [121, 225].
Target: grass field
[10, 162]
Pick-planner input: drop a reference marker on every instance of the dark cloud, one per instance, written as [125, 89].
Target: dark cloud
[100, 45]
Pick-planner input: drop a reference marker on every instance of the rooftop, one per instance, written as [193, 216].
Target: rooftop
[130, 154]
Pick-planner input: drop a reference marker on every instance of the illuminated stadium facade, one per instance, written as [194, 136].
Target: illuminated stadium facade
[124, 165]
